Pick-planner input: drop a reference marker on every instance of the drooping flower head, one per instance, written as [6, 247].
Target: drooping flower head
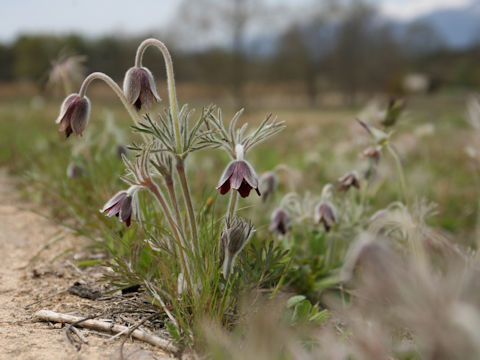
[75, 171]
[348, 180]
[373, 154]
[139, 87]
[121, 150]
[280, 221]
[122, 205]
[268, 184]
[239, 175]
[325, 214]
[74, 114]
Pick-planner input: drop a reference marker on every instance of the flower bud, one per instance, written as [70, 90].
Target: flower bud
[268, 184]
[280, 221]
[348, 180]
[325, 214]
[234, 237]
[75, 171]
[139, 87]
[74, 114]
[372, 153]
[121, 150]
[239, 175]
[394, 110]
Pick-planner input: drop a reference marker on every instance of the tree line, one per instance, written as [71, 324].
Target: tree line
[358, 52]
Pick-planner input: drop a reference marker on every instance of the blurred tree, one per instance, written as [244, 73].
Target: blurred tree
[366, 55]
[6, 63]
[221, 23]
[421, 39]
[32, 56]
[302, 51]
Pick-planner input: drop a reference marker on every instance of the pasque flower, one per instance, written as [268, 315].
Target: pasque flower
[74, 114]
[239, 175]
[325, 214]
[280, 221]
[120, 205]
[268, 184]
[348, 180]
[139, 87]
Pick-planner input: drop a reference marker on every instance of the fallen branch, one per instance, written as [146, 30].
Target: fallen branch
[163, 344]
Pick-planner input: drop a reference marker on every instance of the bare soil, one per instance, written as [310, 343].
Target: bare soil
[33, 267]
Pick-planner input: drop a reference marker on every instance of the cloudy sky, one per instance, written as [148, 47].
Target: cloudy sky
[97, 17]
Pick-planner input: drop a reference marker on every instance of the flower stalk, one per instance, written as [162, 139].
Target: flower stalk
[188, 204]
[163, 203]
[114, 86]
[172, 94]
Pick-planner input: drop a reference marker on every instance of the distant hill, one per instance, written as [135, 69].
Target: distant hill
[459, 27]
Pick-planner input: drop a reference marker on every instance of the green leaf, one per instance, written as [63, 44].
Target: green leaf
[302, 311]
[320, 317]
[173, 331]
[294, 300]
[88, 262]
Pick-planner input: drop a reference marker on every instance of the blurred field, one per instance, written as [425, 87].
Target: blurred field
[319, 145]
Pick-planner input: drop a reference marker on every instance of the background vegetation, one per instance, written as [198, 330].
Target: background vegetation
[318, 75]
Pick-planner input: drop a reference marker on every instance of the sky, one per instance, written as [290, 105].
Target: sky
[100, 17]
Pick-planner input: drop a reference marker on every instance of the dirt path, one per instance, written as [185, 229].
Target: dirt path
[23, 235]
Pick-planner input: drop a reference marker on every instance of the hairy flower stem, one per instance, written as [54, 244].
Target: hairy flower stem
[174, 200]
[114, 86]
[188, 204]
[172, 95]
[401, 175]
[232, 204]
[161, 199]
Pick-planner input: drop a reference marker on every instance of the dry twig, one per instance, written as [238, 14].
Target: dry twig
[48, 315]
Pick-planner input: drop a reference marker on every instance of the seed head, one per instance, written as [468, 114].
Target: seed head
[74, 114]
[325, 214]
[239, 175]
[139, 87]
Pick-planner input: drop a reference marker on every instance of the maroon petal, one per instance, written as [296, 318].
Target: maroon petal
[226, 174]
[126, 210]
[249, 174]
[138, 104]
[244, 189]
[225, 187]
[117, 198]
[238, 175]
[64, 124]
[114, 210]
